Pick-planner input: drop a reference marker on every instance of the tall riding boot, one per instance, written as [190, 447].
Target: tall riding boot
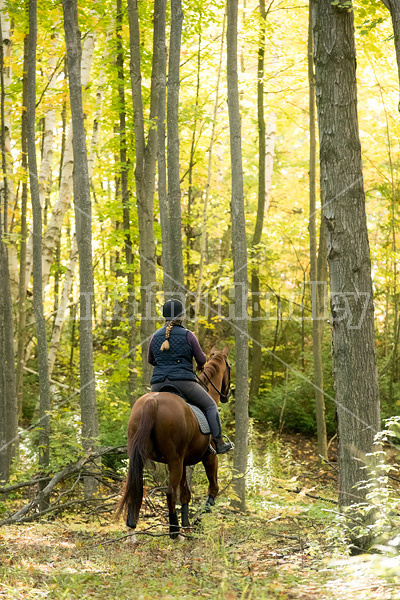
[221, 446]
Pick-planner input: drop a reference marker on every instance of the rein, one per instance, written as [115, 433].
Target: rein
[224, 397]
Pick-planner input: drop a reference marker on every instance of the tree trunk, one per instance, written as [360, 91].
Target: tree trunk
[44, 384]
[162, 171]
[176, 284]
[124, 166]
[8, 398]
[315, 282]
[262, 195]
[343, 201]
[83, 220]
[24, 231]
[62, 306]
[8, 113]
[203, 243]
[239, 257]
[145, 172]
[189, 228]
[49, 124]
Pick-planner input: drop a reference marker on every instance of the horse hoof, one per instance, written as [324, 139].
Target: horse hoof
[131, 539]
[173, 535]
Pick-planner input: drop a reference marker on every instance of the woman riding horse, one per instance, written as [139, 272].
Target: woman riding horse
[171, 352]
[163, 428]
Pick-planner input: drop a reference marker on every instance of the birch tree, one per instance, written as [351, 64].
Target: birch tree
[343, 205]
[239, 251]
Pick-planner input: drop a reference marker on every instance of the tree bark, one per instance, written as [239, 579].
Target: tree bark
[162, 170]
[239, 257]
[124, 166]
[315, 282]
[24, 231]
[44, 384]
[145, 172]
[176, 284]
[83, 220]
[343, 201]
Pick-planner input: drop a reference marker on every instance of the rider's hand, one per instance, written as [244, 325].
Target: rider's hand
[199, 368]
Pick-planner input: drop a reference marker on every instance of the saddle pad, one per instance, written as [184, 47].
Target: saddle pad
[200, 416]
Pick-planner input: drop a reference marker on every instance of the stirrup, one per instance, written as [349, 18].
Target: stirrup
[211, 449]
[229, 441]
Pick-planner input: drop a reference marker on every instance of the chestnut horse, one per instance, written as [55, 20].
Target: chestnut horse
[163, 428]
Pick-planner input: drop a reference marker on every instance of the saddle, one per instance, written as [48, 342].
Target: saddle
[198, 413]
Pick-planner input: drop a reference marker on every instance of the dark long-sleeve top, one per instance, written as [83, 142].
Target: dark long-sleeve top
[192, 340]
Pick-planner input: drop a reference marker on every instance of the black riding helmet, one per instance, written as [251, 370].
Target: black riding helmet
[173, 309]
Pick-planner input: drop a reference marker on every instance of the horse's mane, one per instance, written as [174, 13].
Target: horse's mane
[212, 366]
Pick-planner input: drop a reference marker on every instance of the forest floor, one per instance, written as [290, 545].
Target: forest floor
[279, 549]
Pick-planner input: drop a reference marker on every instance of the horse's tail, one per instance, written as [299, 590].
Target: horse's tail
[133, 490]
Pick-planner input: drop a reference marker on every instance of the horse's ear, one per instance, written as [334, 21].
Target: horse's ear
[213, 350]
[225, 351]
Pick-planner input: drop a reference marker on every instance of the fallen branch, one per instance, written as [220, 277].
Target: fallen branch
[20, 515]
[298, 491]
[17, 486]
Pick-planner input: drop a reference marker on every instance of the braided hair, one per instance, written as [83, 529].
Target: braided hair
[165, 344]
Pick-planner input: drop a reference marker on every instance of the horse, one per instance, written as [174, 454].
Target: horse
[163, 428]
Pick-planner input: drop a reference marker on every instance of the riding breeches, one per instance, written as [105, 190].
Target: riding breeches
[198, 396]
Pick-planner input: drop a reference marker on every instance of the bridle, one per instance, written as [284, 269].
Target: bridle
[227, 392]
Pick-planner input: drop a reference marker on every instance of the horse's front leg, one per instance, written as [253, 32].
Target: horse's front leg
[210, 463]
[175, 476]
[185, 496]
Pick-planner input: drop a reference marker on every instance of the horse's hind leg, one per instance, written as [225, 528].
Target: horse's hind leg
[175, 476]
[185, 496]
[210, 463]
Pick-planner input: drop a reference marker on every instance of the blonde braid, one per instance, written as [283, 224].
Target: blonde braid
[165, 344]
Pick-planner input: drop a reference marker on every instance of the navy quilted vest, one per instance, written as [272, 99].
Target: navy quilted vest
[175, 363]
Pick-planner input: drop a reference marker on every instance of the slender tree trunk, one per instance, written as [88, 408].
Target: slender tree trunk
[203, 243]
[48, 135]
[190, 266]
[44, 384]
[63, 305]
[83, 232]
[239, 257]
[256, 329]
[24, 231]
[7, 44]
[176, 285]
[315, 283]
[162, 170]
[8, 397]
[343, 201]
[124, 167]
[145, 172]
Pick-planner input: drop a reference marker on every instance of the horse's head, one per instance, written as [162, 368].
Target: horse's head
[217, 375]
